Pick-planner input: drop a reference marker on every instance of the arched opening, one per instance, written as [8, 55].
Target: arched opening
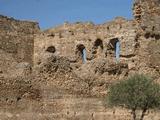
[51, 49]
[114, 48]
[81, 53]
[97, 47]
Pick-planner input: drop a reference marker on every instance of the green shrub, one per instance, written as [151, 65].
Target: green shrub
[138, 92]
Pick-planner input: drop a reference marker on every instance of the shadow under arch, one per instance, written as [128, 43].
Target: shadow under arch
[51, 49]
[81, 53]
[97, 47]
[114, 48]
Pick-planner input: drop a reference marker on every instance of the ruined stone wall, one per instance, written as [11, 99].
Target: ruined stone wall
[17, 38]
[61, 86]
[147, 15]
[16, 41]
[139, 40]
[95, 38]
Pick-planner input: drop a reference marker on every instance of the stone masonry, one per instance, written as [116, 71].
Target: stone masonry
[43, 75]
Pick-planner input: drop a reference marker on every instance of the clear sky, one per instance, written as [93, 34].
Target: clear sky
[50, 13]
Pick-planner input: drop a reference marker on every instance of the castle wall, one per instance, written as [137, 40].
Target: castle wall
[16, 37]
[17, 40]
[63, 88]
[147, 16]
[66, 38]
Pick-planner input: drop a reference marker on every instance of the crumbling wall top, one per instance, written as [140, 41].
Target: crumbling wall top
[13, 25]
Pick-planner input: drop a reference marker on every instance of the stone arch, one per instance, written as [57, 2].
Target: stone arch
[51, 49]
[113, 48]
[97, 47]
[81, 53]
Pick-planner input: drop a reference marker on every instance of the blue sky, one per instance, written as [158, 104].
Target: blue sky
[50, 13]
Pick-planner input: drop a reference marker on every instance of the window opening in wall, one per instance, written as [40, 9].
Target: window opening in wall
[81, 53]
[98, 47]
[114, 45]
[98, 43]
[51, 49]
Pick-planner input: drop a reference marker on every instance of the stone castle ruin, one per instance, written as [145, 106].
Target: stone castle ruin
[63, 73]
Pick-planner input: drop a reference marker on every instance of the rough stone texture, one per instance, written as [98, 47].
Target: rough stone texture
[16, 42]
[43, 75]
[95, 38]
[147, 13]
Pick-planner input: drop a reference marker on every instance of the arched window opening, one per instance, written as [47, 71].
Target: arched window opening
[98, 47]
[114, 45]
[51, 49]
[81, 53]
